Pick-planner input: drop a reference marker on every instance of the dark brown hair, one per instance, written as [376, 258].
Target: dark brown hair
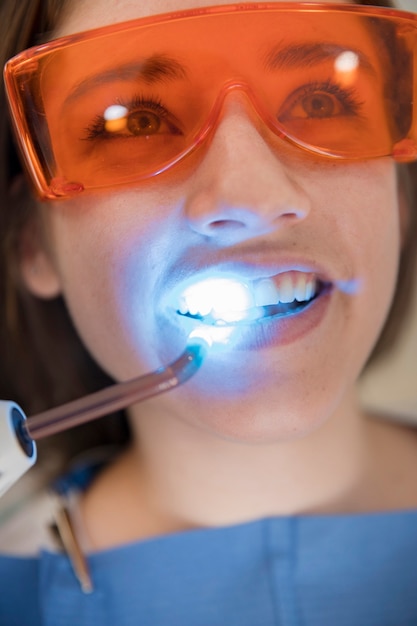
[43, 362]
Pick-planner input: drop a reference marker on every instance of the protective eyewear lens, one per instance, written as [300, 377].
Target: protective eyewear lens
[126, 102]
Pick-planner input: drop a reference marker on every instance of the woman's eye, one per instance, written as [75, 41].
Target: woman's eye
[322, 101]
[139, 118]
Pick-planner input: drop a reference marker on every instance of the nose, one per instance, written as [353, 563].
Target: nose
[243, 187]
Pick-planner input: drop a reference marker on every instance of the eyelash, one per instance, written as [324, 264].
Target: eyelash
[96, 129]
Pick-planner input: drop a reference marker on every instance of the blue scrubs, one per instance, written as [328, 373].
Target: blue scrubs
[339, 570]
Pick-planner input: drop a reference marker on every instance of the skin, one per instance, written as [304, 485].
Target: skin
[218, 450]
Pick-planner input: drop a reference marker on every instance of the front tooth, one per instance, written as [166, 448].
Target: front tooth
[266, 292]
[204, 309]
[217, 295]
[231, 295]
[286, 290]
[300, 288]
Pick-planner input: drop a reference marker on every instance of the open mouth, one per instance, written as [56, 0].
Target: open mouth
[232, 301]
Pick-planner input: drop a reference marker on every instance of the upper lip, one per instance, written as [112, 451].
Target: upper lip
[254, 268]
[258, 271]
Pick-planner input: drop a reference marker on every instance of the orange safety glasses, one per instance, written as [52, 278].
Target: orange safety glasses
[120, 104]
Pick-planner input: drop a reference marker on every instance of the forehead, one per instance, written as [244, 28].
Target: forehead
[85, 14]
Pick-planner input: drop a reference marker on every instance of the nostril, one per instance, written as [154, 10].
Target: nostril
[230, 230]
[224, 225]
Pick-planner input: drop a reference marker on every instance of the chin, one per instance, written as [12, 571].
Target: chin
[262, 418]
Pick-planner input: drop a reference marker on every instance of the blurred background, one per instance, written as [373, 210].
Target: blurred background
[390, 386]
[408, 5]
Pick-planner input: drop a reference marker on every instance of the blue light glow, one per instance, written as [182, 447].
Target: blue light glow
[225, 299]
[350, 287]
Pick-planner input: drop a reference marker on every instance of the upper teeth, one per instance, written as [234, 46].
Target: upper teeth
[222, 296]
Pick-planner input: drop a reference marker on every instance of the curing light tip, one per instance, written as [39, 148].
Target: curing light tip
[18, 434]
[210, 335]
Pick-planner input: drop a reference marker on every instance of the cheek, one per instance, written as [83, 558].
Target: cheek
[376, 238]
[108, 268]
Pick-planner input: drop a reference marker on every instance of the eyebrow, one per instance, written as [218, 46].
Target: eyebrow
[157, 68]
[304, 55]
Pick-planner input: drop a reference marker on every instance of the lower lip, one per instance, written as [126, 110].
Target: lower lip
[282, 330]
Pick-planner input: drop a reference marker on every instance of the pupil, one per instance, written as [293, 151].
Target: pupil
[143, 123]
[318, 106]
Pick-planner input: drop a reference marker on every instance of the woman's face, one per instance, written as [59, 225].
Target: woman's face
[253, 206]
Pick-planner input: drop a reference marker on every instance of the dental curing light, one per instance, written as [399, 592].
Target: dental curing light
[17, 433]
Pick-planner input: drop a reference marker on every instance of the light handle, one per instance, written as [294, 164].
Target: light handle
[17, 449]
